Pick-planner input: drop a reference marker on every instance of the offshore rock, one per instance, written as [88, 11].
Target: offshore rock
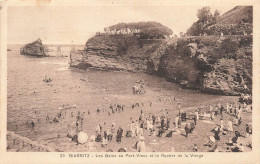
[35, 48]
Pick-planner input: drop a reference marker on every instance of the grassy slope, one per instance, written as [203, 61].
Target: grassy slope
[235, 15]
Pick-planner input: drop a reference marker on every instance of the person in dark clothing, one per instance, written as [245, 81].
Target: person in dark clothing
[100, 127]
[109, 137]
[236, 149]
[105, 134]
[237, 135]
[187, 129]
[239, 121]
[169, 134]
[216, 134]
[195, 120]
[195, 148]
[153, 118]
[221, 109]
[32, 124]
[75, 139]
[141, 123]
[192, 127]
[247, 130]
[122, 150]
[184, 116]
[98, 138]
[160, 132]
[162, 122]
[119, 134]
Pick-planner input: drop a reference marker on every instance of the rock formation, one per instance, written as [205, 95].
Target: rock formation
[212, 64]
[35, 48]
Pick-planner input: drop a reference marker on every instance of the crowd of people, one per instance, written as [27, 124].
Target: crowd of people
[162, 124]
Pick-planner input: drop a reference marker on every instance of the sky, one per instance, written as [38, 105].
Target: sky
[76, 24]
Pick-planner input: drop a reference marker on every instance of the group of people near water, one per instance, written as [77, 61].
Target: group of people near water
[160, 125]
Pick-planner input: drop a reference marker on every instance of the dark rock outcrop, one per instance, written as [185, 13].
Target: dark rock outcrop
[116, 52]
[210, 64]
[35, 48]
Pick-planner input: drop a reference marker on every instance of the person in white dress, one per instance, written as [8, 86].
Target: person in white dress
[197, 114]
[132, 128]
[141, 145]
[176, 121]
[230, 126]
[227, 108]
[147, 124]
[221, 124]
[210, 108]
[139, 132]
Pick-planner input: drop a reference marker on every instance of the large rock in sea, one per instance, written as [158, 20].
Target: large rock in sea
[35, 48]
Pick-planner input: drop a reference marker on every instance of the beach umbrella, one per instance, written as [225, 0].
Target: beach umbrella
[82, 137]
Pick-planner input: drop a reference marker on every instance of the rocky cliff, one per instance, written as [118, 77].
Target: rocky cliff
[116, 52]
[219, 65]
[211, 64]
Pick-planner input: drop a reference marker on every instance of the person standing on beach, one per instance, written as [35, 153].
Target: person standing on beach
[221, 124]
[141, 145]
[119, 134]
[195, 120]
[221, 109]
[113, 130]
[153, 118]
[187, 130]
[247, 131]
[195, 148]
[177, 121]
[219, 105]
[197, 114]
[210, 108]
[227, 110]
[179, 108]
[212, 115]
[230, 126]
